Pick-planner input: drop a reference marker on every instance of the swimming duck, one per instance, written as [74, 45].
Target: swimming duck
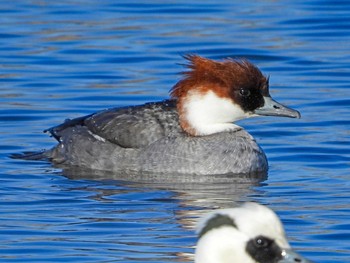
[251, 233]
[193, 132]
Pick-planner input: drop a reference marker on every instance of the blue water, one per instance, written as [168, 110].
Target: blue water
[69, 58]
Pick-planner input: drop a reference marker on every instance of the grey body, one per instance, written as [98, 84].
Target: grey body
[148, 138]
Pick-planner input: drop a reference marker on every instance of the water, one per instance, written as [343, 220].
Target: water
[70, 58]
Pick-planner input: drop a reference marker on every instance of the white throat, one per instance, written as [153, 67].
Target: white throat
[208, 113]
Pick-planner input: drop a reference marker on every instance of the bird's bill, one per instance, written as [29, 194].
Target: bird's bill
[289, 256]
[273, 108]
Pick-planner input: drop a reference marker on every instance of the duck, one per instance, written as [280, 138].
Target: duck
[251, 233]
[192, 132]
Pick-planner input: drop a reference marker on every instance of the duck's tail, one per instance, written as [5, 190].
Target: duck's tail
[34, 156]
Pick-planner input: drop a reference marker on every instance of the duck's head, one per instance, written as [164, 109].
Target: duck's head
[213, 95]
[251, 233]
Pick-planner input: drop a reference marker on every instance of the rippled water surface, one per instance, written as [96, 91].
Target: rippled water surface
[69, 58]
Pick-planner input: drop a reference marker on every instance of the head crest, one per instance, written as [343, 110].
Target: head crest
[205, 72]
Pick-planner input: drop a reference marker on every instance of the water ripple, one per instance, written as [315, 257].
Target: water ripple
[67, 59]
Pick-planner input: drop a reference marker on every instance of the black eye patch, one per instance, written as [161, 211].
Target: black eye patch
[249, 99]
[217, 221]
[264, 250]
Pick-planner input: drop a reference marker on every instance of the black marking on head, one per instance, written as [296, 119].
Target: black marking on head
[264, 250]
[250, 94]
[217, 221]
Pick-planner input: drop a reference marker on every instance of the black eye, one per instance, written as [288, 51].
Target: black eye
[262, 242]
[244, 92]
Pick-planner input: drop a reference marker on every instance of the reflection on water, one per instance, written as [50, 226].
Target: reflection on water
[170, 179]
[193, 195]
[202, 192]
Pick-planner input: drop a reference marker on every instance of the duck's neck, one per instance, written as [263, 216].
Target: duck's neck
[207, 113]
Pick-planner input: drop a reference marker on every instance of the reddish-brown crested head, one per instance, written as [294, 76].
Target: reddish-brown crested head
[214, 94]
[239, 80]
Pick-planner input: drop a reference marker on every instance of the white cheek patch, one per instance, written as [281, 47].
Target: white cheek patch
[224, 245]
[209, 113]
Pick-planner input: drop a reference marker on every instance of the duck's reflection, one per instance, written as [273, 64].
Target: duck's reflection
[202, 192]
[191, 196]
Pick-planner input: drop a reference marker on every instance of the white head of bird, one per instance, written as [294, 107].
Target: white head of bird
[251, 233]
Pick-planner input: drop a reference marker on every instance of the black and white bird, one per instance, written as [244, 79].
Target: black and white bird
[251, 233]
